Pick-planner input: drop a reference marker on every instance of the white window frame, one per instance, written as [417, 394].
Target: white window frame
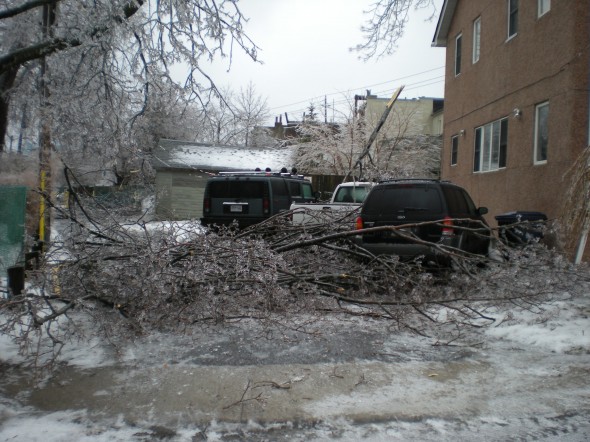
[543, 7]
[488, 154]
[512, 32]
[458, 53]
[454, 150]
[539, 132]
[476, 40]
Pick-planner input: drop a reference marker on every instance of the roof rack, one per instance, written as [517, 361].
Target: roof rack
[261, 173]
[427, 180]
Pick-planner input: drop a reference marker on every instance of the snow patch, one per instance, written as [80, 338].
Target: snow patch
[563, 327]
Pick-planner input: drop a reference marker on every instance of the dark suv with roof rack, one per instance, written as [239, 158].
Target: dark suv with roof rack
[435, 211]
[251, 197]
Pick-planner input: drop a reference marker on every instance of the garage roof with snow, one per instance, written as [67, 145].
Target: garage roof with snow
[176, 154]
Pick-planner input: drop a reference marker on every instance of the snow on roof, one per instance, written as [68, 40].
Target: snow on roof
[183, 154]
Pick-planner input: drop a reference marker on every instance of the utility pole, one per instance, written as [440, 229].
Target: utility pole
[48, 20]
[373, 136]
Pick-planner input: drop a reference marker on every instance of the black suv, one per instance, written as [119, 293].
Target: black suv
[252, 197]
[437, 211]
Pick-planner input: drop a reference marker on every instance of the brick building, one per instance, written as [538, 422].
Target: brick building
[516, 99]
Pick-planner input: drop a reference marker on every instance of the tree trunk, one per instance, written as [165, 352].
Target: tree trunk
[7, 79]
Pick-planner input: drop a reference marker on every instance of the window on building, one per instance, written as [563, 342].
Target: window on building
[476, 39]
[491, 143]
[541, 132]
[543, 7]
[454, 149]
[512, 18]
[458, 54]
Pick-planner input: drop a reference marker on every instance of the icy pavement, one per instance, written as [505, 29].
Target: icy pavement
[331, 379]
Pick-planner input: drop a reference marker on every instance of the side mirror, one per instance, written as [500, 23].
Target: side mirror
[482, 210]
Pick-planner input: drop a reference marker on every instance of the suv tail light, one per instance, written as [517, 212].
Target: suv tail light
[359, 223]
[206, 205]
[447, 229]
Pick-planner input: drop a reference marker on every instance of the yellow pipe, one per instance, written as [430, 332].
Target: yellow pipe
[42, 208]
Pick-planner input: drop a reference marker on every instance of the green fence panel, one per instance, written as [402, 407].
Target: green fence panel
[13, 201]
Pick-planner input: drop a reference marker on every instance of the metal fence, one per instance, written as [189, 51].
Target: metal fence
[12, 225]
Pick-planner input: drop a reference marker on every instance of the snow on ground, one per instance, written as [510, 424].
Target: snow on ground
[528, 380]
[345, 379]
[562, 328]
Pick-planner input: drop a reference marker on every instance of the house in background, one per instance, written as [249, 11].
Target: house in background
[410, 140]
[516, 99]
[418, 116]
[182, 169]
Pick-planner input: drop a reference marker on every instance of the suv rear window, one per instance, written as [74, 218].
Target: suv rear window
[458, 203]
[295, 188]
[236, 189]
[403, 198]
[279, 187]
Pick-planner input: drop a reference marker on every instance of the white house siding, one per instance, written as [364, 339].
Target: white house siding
[179, 195]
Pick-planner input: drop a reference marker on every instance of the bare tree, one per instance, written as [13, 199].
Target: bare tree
[133, 44]
[219, 121]
[232, 120]
[329, 148]
[576, 206]
[386, 25]
[251, 111]
[400, 149]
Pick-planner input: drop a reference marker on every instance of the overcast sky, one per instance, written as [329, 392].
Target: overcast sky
[304, 46]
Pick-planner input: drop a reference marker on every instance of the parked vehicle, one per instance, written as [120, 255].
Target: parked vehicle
[419, 204]
[347, 198]
[251, 197]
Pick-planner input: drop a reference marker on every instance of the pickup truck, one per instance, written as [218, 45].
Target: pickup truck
[346, 200]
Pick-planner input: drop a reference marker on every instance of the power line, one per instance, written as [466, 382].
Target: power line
[321, 97]
[385, 93]
[417, 85]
